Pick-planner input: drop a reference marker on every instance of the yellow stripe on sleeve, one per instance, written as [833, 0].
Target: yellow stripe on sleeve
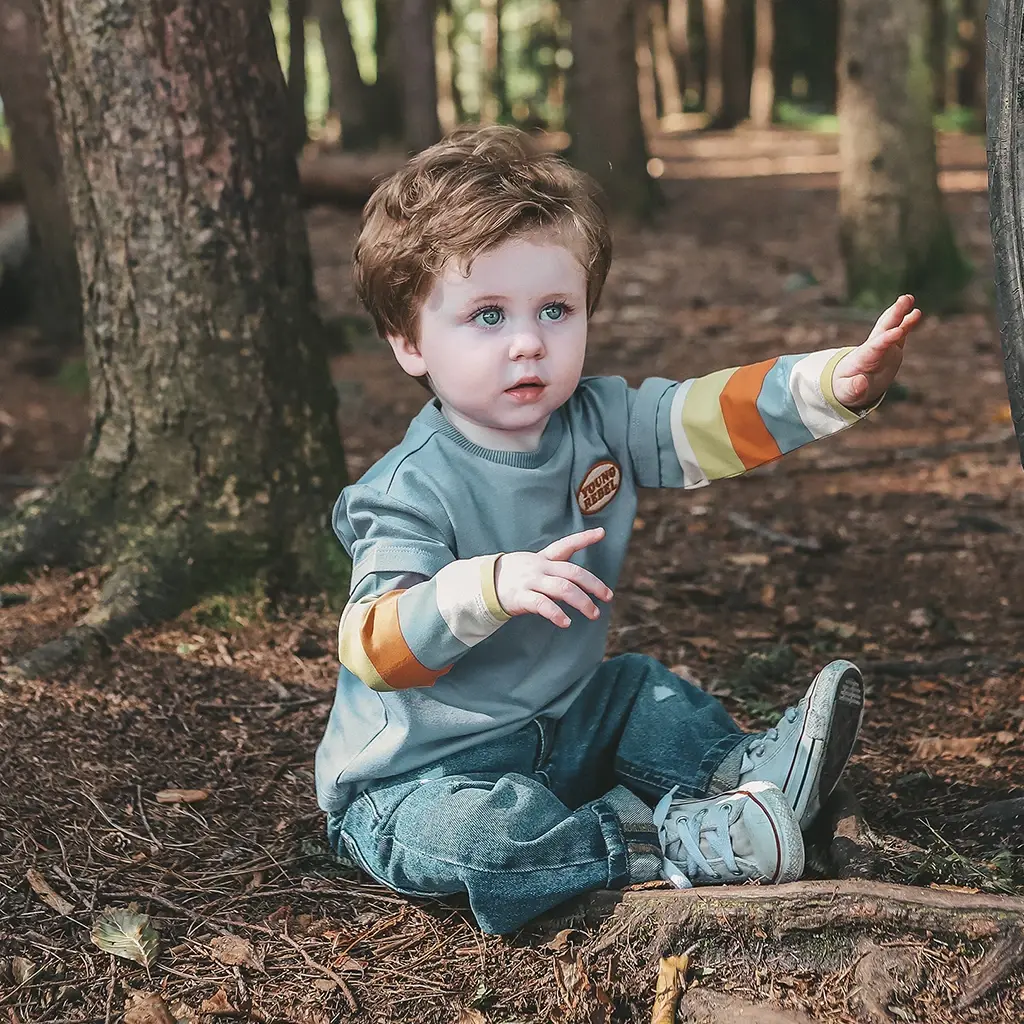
[350, 646]
[705, 429]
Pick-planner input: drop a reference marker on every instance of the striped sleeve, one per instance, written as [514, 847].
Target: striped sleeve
[734, 420]
[410, 637]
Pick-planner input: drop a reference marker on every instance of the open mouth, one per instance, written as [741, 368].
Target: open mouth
[526, 390]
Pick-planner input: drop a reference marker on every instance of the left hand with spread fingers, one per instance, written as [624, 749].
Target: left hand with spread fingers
[862, 376]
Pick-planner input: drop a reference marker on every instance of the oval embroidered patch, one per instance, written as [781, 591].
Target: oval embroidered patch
[599, 486]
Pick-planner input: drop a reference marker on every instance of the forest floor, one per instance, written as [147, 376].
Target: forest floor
[897, 545]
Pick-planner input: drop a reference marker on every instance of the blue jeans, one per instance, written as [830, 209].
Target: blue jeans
[553, 810]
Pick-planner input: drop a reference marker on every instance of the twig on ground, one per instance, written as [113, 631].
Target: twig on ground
[800, 543]
[110, 989]
[145, 820]
[888, 457]
[326, 971]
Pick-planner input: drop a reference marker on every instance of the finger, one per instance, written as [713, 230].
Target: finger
[583, 579]
[547, 609]
[560, 589]
[894, 314]
[568, 546]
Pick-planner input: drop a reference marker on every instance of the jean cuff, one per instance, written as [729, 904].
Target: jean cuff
[638, 836]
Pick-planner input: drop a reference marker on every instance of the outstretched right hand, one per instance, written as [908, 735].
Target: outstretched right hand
[530, 582]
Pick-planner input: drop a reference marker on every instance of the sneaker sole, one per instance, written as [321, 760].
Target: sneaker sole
[835, 709]
[789, 840]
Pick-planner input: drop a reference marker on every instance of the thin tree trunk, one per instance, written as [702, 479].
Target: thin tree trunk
[449, 105]
[492, 84]
[726, 94]
[387, 90]
[664, 62]
[678, 26]
[56, 298]
[213, 452]
[971, 74]
[419, 74]
[297, 72]
[895, 234]
[646, 84]
[350, 95]
[938, 54]
[762, 84]
[604, 109]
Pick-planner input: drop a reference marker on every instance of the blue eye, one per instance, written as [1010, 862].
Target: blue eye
[554, 312]
[489, 317]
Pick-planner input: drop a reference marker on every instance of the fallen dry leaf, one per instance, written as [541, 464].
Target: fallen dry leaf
[1004, 736]
[829, 627]
[231, 950]
[181, 796]
[126, 934]
[22, 970]
[148, 1008]
[669, 987]
[468, 1016]
[218, 1004]
[560, 941]
[43, 890]
[950, 746]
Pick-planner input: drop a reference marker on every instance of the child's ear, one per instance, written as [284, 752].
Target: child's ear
[408, 355]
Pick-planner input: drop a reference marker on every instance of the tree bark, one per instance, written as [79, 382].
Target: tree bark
[678, 27]
[213, 453]
[419, 74]
[762, 83]
[894, 231]
[56, 297]
[646, 84]
[387, 90]
[297, 72]
[726, 92]
[350, 95]
[492, 85]
[604, 110]
[449, 101]
[665, 68]
[971, 73]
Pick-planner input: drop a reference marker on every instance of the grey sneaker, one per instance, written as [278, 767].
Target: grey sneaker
[747, 835]
[807, 751]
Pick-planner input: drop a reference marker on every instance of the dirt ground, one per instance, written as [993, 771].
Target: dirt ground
[897, 545]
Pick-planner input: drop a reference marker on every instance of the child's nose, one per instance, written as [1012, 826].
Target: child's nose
[526, 344]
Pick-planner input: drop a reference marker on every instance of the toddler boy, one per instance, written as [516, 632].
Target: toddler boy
[478, 742]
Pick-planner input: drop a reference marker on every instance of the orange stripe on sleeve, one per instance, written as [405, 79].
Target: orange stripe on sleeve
[751, 439]
[382, 640]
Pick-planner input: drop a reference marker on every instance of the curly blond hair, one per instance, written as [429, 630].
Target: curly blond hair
[474, 190]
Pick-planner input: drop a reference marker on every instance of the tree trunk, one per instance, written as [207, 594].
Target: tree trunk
[726, 93]
[971, 73]
[492, 84]
[894, 231]
[213, 453]
[604, 110]
[664, 62]
[387, 90]
[419, 74]
[678, 27]
[762, 84]
[56, 299]
[297, 72]
[938, 54]
[646, 85]
[350, 95]
[449, 101]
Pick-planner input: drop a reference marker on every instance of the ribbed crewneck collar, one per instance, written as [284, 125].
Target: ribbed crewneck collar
[432, 417]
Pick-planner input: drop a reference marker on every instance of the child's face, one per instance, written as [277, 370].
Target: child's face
[504, 345]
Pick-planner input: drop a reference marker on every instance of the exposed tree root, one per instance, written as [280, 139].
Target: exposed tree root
[702, 1006]
[883, 975]
[842, 830]
[146, 589]
[819, 925]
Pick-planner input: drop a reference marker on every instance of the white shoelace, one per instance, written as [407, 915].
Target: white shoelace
[709, 823]
[759, 746]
